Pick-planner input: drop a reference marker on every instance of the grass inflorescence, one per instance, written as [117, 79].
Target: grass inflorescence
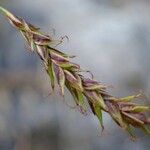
[83, 89]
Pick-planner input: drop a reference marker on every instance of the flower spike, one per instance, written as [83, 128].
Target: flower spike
[66, 73]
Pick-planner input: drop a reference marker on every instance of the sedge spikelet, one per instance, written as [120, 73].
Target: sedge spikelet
[66, 73]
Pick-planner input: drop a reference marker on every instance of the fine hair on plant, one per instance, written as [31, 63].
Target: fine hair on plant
[64, 73]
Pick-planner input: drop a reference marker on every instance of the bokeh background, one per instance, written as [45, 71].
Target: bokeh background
[111, 39]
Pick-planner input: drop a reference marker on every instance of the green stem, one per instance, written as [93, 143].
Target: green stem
[4, 11]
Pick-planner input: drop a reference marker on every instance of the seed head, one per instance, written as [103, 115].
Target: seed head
[84, 90]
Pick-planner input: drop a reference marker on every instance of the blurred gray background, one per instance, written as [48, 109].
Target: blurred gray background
[111, 39]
